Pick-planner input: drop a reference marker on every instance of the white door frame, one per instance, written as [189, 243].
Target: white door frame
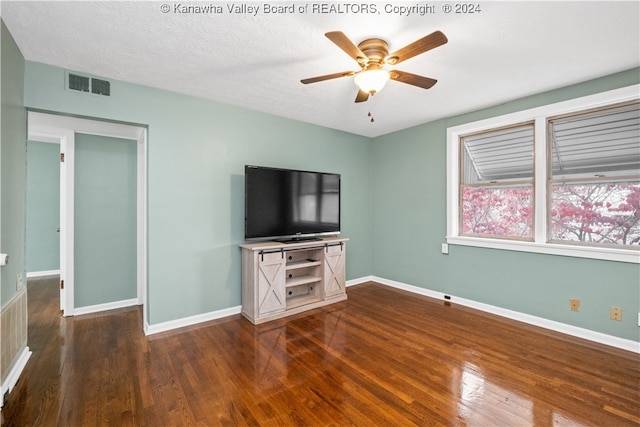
[62, 129]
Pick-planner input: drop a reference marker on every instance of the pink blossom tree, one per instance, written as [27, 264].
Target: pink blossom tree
[598, 213]
[498, 211]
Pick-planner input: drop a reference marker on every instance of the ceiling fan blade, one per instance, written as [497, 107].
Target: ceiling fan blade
[328, 77]
[433, 40]
[412, 79]
[343, 42]
[362, 96]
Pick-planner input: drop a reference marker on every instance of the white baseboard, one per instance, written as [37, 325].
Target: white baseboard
[79, 311]
[359, 280]
[189, 321]
[564, 328]
[14, 374]
[213, 315]
[42, 274]
[205, 317]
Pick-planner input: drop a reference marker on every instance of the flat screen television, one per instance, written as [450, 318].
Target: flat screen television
[290, 205]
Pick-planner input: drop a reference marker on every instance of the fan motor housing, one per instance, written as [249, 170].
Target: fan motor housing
[375, 49]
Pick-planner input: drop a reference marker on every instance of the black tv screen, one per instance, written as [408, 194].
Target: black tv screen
[285, 204]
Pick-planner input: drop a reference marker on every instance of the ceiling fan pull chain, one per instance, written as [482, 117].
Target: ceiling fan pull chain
[370, 115]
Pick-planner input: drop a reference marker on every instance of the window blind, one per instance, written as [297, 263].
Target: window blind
[499, 155]
[603, 141]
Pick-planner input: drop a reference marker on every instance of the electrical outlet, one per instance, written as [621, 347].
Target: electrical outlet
[445, 248]
[19, 281]
[575, 304]
[616, 313]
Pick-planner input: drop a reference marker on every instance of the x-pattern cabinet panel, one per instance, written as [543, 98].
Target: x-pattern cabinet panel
[334, 271]
[280, 279]
[271, 297]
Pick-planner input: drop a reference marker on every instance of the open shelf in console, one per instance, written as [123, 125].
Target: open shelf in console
[302, 264]
[301, 280]
[303, 277]
[303, 293]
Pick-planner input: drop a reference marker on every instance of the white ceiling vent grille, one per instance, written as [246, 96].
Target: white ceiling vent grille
[80, 83]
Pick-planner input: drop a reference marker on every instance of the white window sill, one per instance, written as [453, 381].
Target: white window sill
[608, 254]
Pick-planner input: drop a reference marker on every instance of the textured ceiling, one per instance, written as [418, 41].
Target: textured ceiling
[504, 51]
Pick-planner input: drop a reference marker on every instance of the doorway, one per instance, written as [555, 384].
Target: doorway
[130, 141]
[104, 223]
[43, 209]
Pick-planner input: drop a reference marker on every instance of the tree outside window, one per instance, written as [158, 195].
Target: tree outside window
[497, 183]
[557, 179]
[595, 177]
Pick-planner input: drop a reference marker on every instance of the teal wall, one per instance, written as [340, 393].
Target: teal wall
[409, 225]
[43, 206]
[196, 155]
[393, 205]
[13, 159]
[105, 232]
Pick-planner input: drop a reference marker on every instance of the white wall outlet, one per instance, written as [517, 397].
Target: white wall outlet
[19, 281]
[445, 248]
[638, 319]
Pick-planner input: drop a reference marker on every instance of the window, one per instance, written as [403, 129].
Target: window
[496, 186]
[595, 187]
[559, 179]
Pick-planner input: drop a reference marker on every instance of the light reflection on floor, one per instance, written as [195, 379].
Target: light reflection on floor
[479, 396]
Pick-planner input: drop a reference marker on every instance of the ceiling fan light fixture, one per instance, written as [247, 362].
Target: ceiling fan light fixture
[371, 81]
[372, 55]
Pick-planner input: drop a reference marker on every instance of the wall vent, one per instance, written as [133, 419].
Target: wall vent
[88, 84]
[100, 87]
[80, 83]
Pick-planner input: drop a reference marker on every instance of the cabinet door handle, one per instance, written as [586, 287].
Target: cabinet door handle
[271, 252]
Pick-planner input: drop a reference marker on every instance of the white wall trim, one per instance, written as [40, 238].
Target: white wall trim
[142, 221]
[189, 321]
[592, 252]
[78, 311]
[563, 328]
[213, 315]
[19, 294]
[52, 128]
[14, 373]
[43, 274]
[360, 280]
[540, 115]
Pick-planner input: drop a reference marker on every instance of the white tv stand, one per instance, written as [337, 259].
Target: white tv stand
[281, 279]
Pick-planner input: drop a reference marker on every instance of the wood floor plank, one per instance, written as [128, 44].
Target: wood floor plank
[384, 357]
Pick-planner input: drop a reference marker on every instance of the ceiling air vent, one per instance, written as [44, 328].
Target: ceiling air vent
[80, 83]
[100, 87]
[88, 84]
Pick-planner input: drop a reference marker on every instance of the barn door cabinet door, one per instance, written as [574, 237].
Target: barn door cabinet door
[334, 270]
[271, 283]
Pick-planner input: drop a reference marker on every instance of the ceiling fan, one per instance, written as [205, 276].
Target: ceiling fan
[372, 55]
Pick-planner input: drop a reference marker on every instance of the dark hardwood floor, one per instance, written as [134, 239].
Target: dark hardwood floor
[384, 357]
